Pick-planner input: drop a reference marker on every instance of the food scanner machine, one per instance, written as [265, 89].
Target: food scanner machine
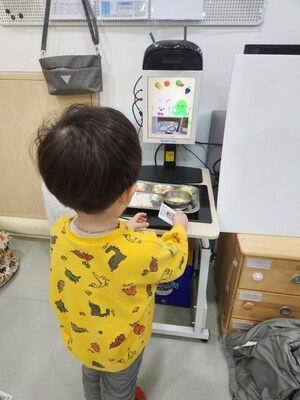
[172, 72]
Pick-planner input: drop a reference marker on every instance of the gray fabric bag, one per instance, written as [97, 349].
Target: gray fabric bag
[72, 74]
[264, 363]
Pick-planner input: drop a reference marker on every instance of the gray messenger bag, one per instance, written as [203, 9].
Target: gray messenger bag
[72, 74]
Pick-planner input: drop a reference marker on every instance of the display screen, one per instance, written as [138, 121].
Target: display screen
[170, 108]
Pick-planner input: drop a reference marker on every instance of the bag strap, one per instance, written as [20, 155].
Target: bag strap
[45, 28]
[90, 18]
[92, 22]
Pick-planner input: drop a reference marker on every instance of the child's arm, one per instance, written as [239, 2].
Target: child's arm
[180, 218]
[168, 258]
[138, 221]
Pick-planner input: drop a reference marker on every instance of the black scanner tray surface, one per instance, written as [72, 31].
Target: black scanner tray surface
[203, 215]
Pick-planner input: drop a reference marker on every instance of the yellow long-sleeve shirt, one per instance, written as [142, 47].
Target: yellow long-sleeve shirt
[102, 289]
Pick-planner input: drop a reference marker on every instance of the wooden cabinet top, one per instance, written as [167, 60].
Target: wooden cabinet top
[283, 247]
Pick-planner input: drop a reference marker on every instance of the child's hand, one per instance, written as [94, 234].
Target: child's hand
[138, 221]
[180, 218]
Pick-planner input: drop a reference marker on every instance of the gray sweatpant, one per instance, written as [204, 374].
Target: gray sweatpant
[101, 385]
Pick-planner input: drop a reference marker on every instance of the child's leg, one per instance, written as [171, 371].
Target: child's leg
[91, 383]
[120, 385]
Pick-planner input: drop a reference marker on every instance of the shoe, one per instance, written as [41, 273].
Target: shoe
[138, 393]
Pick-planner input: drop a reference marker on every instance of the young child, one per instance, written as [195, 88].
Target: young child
[104, 272]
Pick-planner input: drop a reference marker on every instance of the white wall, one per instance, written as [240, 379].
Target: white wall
[122, 49]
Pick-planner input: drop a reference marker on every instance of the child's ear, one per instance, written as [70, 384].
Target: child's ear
[126, 196]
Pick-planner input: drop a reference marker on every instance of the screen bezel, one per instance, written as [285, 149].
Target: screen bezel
[146, 125]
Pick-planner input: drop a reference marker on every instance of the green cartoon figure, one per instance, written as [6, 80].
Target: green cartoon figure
[181, 109]
[116, 259]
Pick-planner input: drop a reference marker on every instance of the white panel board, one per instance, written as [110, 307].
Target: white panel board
[195, 12]
[259, 188]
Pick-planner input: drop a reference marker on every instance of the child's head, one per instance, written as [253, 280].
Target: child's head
[88, 157]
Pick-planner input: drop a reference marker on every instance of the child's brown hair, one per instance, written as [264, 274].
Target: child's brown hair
[88, 157]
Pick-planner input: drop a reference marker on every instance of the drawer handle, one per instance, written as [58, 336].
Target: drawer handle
[257, 276]
[285, 310]
[295, 278]
[248, 305]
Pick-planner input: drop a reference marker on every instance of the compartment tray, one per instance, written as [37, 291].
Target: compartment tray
[150, 196]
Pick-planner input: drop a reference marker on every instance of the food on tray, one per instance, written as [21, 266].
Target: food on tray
[141, 186]
[177, 198]
[189, 189]
[145, 200]
[140, 201]
[150, 196]
[161, 189]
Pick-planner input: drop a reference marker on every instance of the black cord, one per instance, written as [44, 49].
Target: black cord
[139, 123]
[206, 166]
[136, 83]
[155, 155]
[217, 173]
[135, 106]
[209, 144]
[139, 130]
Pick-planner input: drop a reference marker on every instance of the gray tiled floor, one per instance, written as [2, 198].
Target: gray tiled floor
[34, 364]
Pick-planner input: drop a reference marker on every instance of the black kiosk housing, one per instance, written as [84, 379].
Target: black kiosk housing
[172, 55]
[178, 55]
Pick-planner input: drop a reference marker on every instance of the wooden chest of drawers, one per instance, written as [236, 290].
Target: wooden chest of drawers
[257, 278]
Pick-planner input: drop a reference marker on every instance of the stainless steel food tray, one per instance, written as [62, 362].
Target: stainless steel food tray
[150, 196]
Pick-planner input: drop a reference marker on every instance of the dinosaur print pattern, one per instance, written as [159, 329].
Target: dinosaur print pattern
[176, 237]
[71, 276]
[137, 328]
[116, 259]
[181, 263]
[118, 341]
[53, 239]
[96, 310]
[78, 329]
[102, 281]
[103, 291]
[166, 275]
[95, 347]
[60, 285]
[84, 256]
[97, 365]
[149, 290]
[60, 306]
[153, 266]
[130, 355]
[132, 238]
[130, 290]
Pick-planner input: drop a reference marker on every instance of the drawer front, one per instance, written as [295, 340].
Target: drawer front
[271, 275]
[260, 306]
[240, 325]
[227, 265]
[225, 314]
